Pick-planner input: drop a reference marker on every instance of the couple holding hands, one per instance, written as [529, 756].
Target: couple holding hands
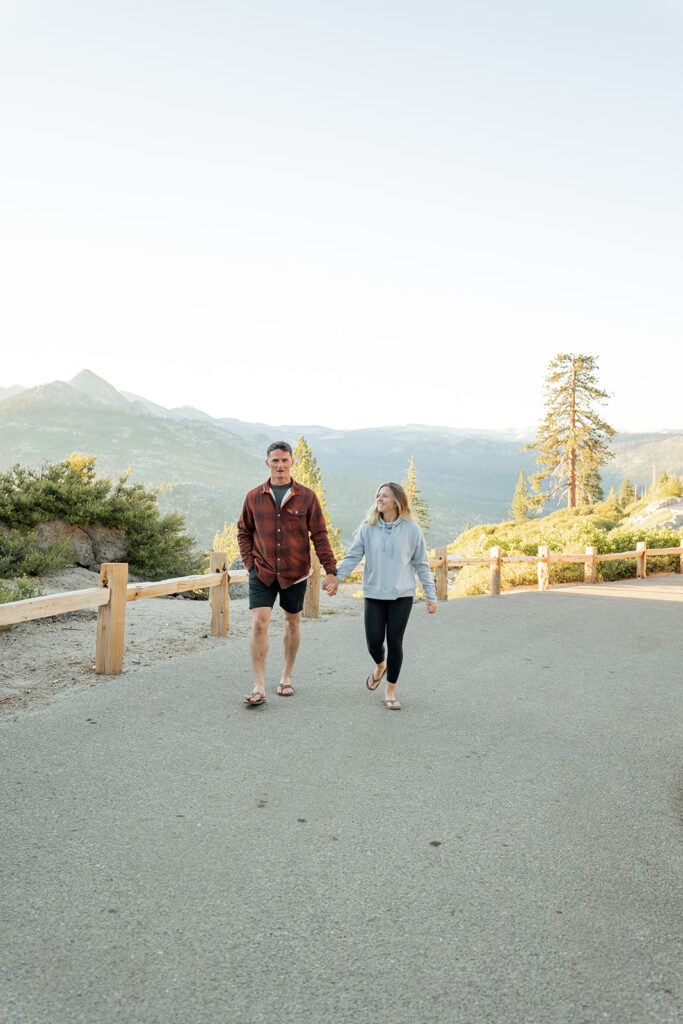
[279, 520]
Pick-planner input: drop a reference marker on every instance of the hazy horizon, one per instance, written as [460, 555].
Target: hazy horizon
[522, 431]
[345, 215]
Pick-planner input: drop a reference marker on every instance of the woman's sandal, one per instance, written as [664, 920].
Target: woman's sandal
[281, 687]
[254, 698]
[392, 703]
[372, 682]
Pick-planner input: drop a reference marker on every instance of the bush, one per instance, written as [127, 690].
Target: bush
[669, 487]
[19, 555]
[158, 549]
[626, 540]
[67, 490]
[157, 546]
[19, 589]
[567, 531]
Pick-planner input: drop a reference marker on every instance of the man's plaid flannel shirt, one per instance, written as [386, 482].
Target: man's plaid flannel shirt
[276, 540]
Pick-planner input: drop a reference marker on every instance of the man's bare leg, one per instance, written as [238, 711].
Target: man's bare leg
[258, 645]
[292, 639]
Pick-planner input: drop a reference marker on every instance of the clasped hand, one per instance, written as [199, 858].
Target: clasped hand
[330, 585]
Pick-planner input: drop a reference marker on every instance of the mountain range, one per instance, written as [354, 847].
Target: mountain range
[202, 466]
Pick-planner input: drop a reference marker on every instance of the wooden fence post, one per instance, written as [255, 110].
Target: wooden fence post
[441, 574]
[641, 560]
[494, 576]
[111, 619]
[543, 567]
[312, 598]
[590, 568]
[219, 598]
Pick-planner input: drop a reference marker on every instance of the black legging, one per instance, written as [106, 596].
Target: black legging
[387, 618]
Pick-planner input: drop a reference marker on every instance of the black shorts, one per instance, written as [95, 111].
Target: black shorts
[262, 596]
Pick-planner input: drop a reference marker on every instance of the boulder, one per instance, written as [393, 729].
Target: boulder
[91, 545]
[675, 523]
[48, 534]
[110, 543]
[237, 590]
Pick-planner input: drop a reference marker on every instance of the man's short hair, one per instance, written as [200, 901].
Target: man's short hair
[279, 444]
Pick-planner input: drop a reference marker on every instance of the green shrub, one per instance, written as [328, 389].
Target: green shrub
[69, 490]
[470, 582]
[20, 556]
[626, 540]
[669, 486]
[19, 589]
[567, 531]
[156, 547]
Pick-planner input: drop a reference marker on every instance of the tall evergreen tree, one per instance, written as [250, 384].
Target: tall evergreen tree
[524, 505]
[307, 472]
[417, 503]
[612, 501]
[627, 493]
[572, 441]
[590, 491]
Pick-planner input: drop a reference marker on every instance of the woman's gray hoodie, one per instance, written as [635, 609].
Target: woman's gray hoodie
[394, 552]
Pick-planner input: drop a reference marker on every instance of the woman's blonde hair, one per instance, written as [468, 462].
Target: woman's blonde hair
[399, 495]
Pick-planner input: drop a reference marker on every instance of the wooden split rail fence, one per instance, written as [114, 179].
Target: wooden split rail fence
[115, 592]
[543, 560]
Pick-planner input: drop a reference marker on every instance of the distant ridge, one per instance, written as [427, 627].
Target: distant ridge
[202, 466]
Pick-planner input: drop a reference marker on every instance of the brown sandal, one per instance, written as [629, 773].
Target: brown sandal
[372, 682]
[285, 686]
[254, 698]
[392, 703]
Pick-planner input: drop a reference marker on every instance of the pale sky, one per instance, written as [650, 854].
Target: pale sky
[352, 214]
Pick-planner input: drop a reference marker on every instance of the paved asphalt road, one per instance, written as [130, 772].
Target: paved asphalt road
[505, 849]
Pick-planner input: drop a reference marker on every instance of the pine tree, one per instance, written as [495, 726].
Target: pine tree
[612, 500]
[307, 472]
[525, 505]
[590, 492]
[417, 503]
[627, 493]
[572, 441]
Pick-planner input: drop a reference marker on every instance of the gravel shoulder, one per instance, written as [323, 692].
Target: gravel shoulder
[49, 659]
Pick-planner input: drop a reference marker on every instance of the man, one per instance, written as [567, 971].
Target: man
[273, 535]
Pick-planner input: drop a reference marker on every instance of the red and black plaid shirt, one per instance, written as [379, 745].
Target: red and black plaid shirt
[276, 540]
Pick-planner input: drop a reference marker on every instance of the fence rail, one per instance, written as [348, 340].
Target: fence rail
[545, 558]
[114, 591]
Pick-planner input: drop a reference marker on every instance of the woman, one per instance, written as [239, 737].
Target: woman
[394, 550]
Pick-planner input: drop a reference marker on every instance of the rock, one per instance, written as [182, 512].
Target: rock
[672, 505]
[91, 545]
[237, 590]
[675, 523]
[48, 534]
[110, 543]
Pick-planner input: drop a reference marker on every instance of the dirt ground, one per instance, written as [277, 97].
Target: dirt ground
[46, 659]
